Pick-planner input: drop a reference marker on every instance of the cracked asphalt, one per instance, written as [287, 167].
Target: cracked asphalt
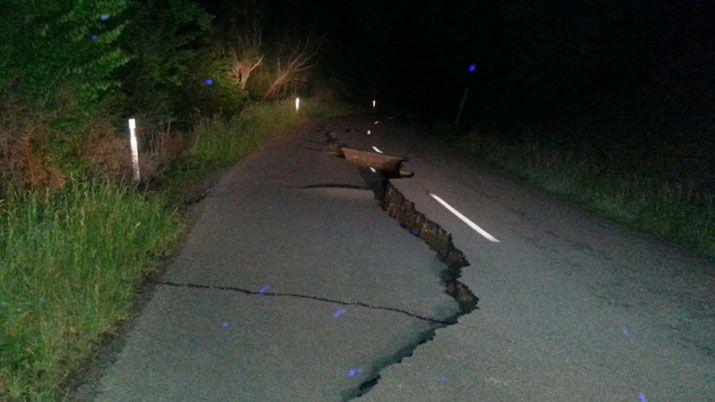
[338, 287]
[293, 285]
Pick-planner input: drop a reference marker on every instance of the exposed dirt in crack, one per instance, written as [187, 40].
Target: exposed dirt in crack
[399, 207]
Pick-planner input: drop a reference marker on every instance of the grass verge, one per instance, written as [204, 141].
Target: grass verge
[70, 266]
[635, 194]
[72, 263]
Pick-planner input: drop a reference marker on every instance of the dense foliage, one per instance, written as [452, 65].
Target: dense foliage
[83, 59]
[165, 38]
[63, 56]
[70, 70]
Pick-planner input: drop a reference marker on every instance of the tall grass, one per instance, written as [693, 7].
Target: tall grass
[69, 270]
[219, 143]
[640, 193]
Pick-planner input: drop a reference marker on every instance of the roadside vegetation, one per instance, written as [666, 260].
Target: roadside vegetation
[71, 264]
[77, 235]
[655, 187]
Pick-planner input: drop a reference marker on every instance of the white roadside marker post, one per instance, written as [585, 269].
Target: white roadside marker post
[374, 103]
[297, 104]
[135, 148]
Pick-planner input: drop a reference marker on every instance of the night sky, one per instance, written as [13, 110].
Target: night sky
[647, 62]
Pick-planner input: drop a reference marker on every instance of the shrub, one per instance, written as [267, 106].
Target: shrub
[63, 55]
[162, 36]
[211, 88]
[25, 158]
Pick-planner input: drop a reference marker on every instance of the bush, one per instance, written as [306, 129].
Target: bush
[163, 36]
[63, 56]
[25, 157]
[212, 90]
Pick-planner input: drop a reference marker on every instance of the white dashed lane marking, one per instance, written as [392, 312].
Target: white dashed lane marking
[464, 219]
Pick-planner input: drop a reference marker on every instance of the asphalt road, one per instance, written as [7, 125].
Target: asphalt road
[294, 285]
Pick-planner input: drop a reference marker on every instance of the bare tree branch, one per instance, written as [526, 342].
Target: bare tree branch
[300, 60]
[249, 59]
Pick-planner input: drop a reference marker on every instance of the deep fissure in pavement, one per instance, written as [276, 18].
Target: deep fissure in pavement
[399, 207]
[302, 296]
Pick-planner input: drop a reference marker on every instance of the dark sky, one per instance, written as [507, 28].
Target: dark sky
[649, 59]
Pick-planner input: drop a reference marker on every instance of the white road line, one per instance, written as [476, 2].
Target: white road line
[376, 149]
[465, 219]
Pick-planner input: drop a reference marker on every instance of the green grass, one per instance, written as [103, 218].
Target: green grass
[642, 192]
[70, 267]
[71, 264]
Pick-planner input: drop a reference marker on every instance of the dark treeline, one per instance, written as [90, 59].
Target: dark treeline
[646, 62]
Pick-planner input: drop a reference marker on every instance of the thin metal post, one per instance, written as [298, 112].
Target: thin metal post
[461, 106]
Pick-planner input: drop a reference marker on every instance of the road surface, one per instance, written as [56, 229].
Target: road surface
[294, 285]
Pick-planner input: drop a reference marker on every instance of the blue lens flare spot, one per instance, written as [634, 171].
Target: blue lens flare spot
[224, 324]
[209, 82]
[339, 313]
[94, 37]
[263, 290]
[472, 68]
[104, 17]
[642, 397]
[354, 372]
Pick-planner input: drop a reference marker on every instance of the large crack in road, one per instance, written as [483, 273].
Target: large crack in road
[397, 206]
[391, 200]
[202, 334]
[415, 222]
